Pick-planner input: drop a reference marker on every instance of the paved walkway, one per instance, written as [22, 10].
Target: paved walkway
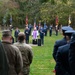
[33, 45]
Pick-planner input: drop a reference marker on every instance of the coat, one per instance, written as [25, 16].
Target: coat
[3, 61]
[27, 55]
[72, 58]
[62, 64]
[14, 58]
[57, 44]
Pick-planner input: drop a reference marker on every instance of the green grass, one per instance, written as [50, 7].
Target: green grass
[43, 62]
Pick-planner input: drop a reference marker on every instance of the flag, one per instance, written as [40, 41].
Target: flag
[11, 19]
[69, 20]
[34, 22]
[26, 20]
[56, 20]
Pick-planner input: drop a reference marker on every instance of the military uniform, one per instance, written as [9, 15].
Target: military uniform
[61, 42]
[27, 56]
[72, 55]
[62, 64]
[50, 30]
[58, 43]
[13, 55]
[27, 35]
[42, 33]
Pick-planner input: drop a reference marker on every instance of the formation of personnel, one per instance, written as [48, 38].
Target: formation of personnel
[64, 53]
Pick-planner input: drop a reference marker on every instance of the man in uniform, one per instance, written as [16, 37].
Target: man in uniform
[42, 33]
[61, 42]
[26, 51]
[72, 55]
[16, 34]
[50, 30]
[13, 55]
[62, 64]
[27, 34]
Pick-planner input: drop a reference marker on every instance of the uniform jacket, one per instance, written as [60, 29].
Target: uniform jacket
[62, 63]
[27, 34]
[16, 33]
[58, 43]
[14, 58]
[27, 56]
[3, 61]
[72, 58]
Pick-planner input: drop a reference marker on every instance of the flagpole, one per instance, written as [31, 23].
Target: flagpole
[69, 20]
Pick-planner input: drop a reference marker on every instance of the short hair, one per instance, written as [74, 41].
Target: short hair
[21, 37]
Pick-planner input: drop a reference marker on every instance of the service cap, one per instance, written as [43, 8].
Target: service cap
[67, 28]
[70, 31]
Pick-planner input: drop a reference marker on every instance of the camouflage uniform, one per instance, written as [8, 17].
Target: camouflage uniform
[14, 58]
[27, 56]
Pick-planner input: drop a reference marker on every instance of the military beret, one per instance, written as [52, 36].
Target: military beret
[6, 33]
[67, 28]
[21, 34]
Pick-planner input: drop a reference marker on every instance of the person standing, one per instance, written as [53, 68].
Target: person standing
[27, 34]
[72, 55]
[16, 33]
[50, 30]
[61, 42]
[26, 51]
[56, 30]
[42, 33]
[62, 63]
[45, 29]
[13, 55]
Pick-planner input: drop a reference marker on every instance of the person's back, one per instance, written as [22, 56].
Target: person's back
[14, 58]
[60, 42]
[26, 51]
[72, 55]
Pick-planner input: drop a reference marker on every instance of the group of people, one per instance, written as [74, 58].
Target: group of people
[16, 58]
[64, 52]
[35, 34]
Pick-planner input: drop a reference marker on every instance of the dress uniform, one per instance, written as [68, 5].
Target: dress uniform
[61, 42]
[72, 55]
[16, 34]
[50, 30]
[42, 33]
[27, 34]
[62, 64]
[26, 51]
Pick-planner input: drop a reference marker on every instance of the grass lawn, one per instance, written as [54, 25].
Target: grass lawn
[43, 62]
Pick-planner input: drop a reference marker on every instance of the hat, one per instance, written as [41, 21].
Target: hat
[6, 33]
[21, 34]
[70, 31]
[67, 28]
